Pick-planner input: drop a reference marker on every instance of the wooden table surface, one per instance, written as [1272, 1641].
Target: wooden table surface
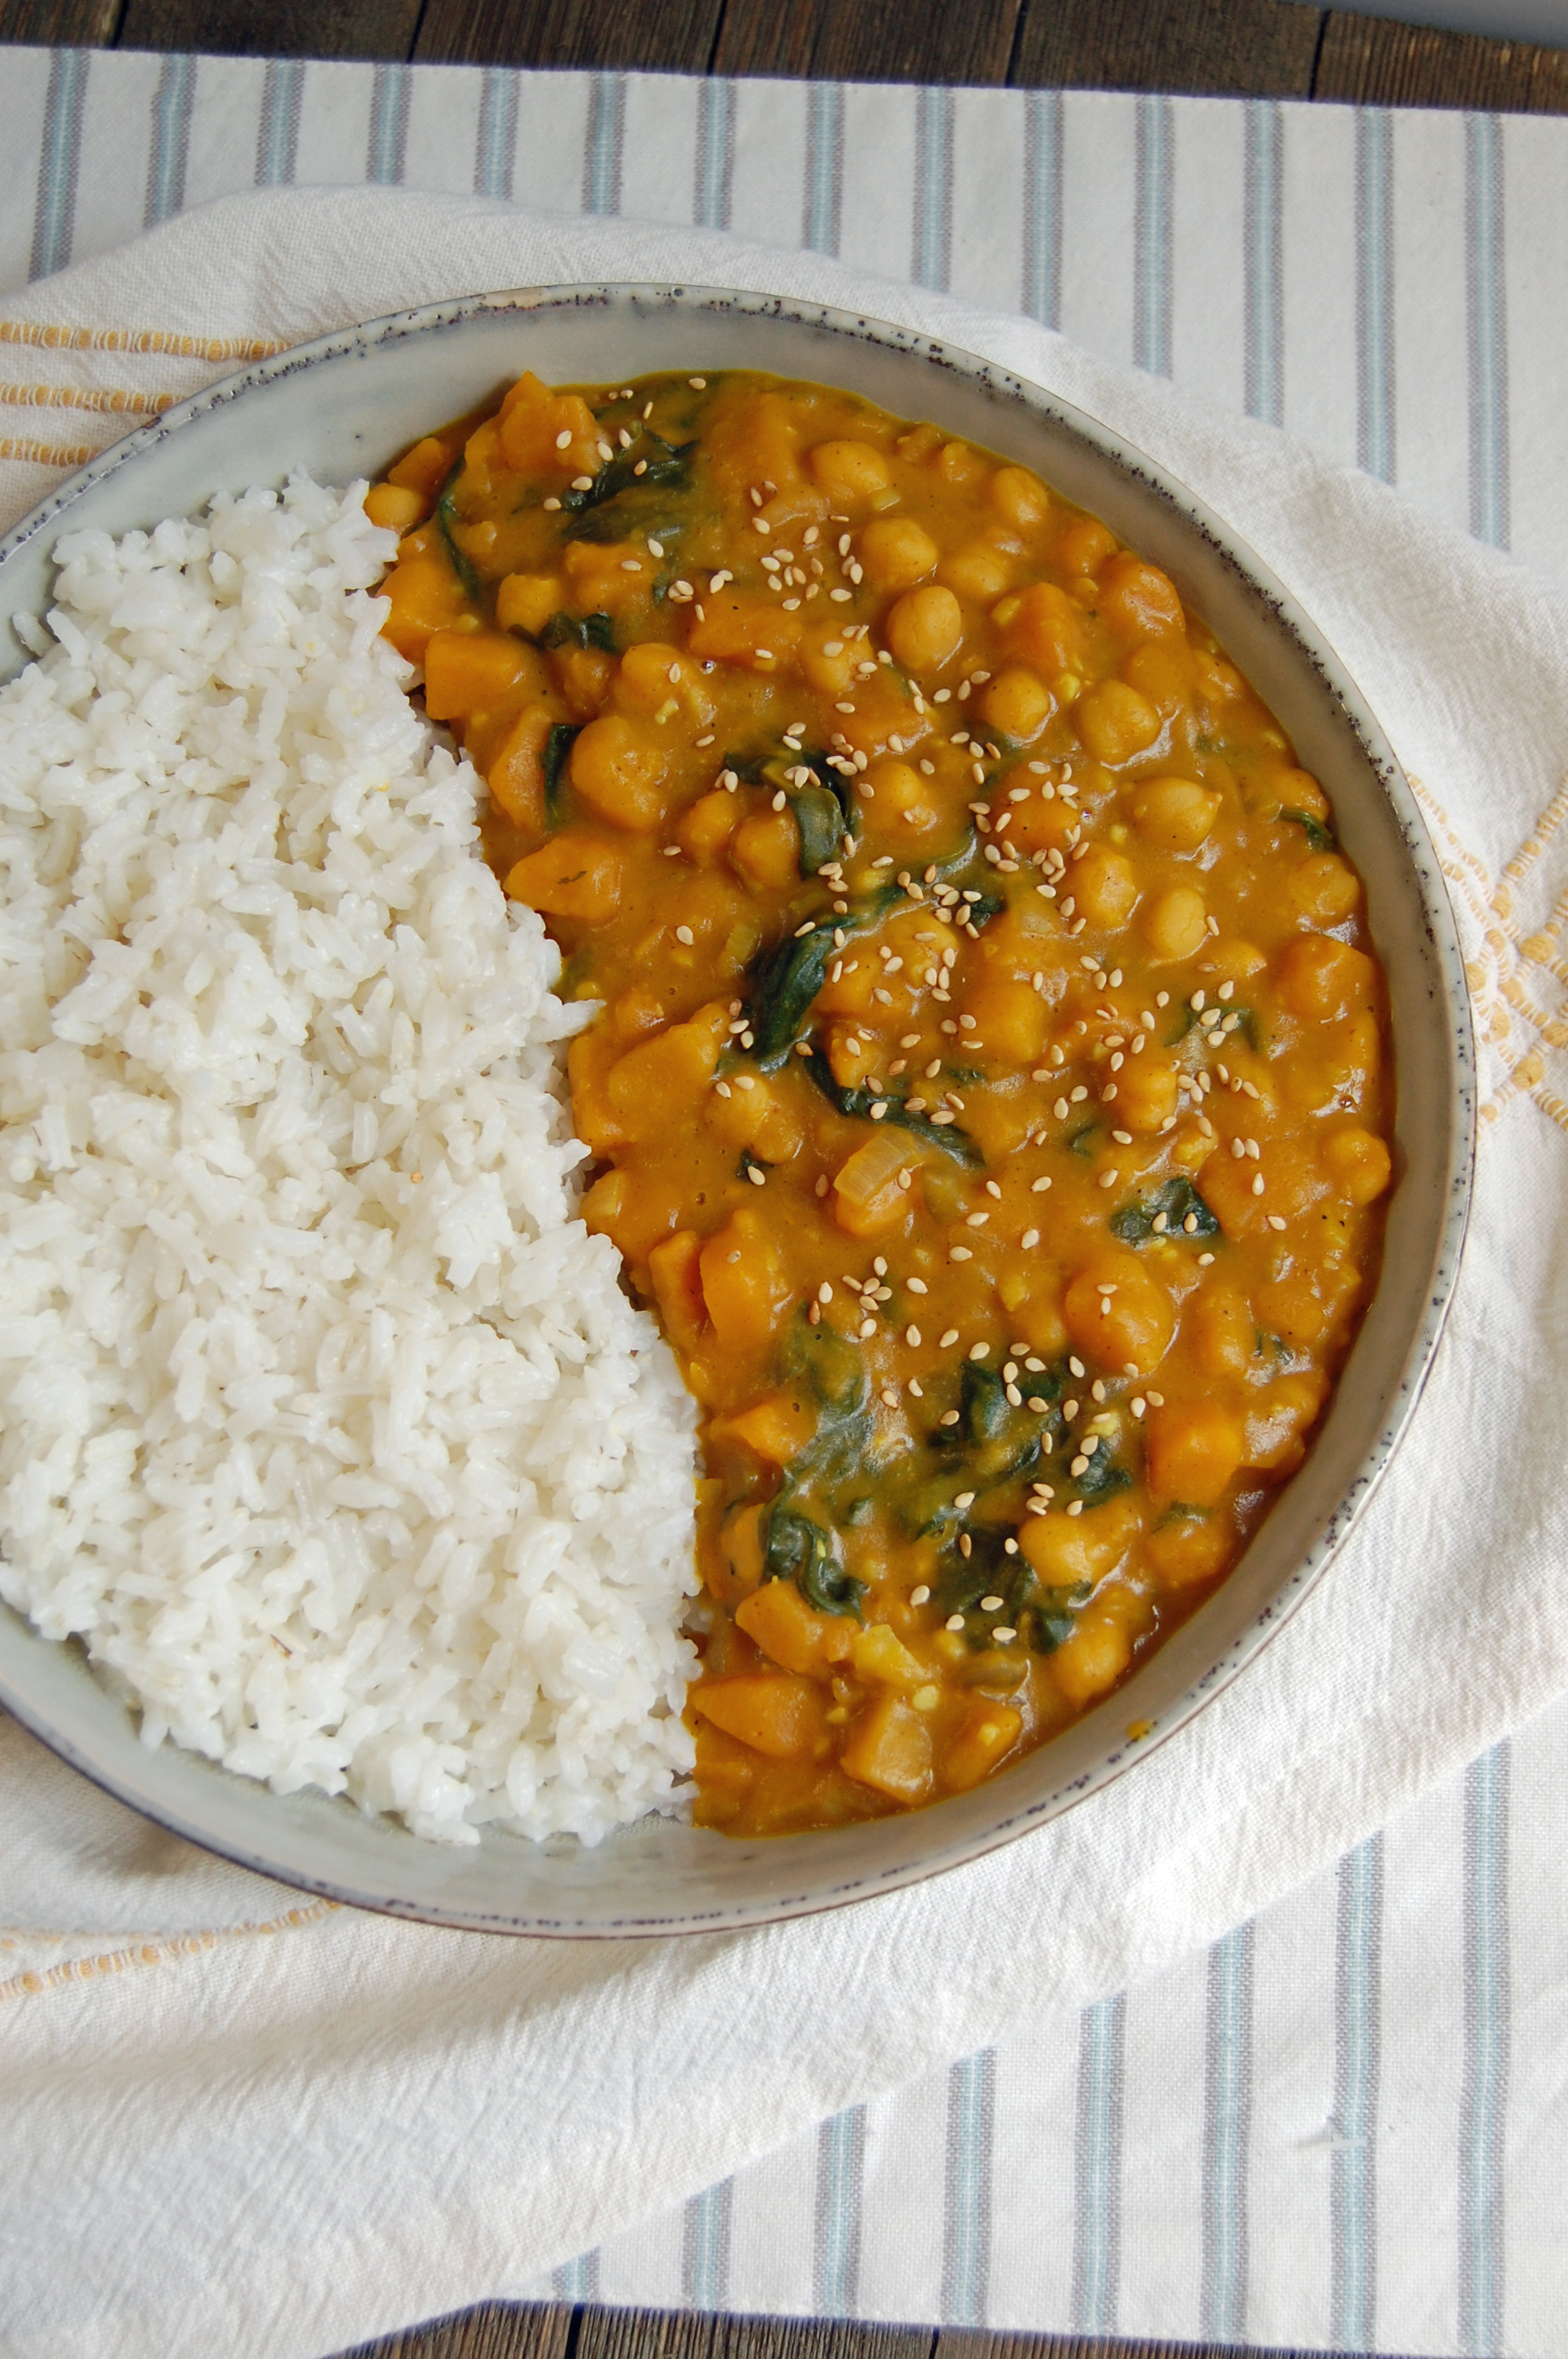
[1233, 49]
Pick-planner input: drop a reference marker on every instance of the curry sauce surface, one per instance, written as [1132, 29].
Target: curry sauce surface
[989, 1087]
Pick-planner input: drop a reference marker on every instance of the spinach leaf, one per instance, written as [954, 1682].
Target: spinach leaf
[783, 983]
[557, 749]
[1180, 1202]
[592, 631]
[608, 509]
[981, 911]
[819, 816]
[1101, 1479]
[857, 1104]
[831, 1366]
[1319, 838]
[800, 1551]
[994, 1441]
[446, 517]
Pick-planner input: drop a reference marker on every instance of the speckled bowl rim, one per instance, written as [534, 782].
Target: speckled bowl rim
[809, 1893]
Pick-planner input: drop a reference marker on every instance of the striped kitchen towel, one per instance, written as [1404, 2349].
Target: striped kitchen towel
[1373, 281]
[404, 2120]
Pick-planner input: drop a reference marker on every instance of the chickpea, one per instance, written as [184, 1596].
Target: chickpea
[708, 826]
[1118, 1313]
[898, 807]
[1222, 1331]
[1085, 545]
[1163, 670]
[1187, 1549]
[1019, 496]
[1116, 721]
[1137, 599]
[1017, 706]
[1092, 1658]
[1192, 1450]
[897, 553]
[926, 629]
[618, 768]
[1176, 925]
[1280, 1417]
[1319, 979]
[1293, 1308]
[766, 850]
[1175, 814]
[1105, 886]
[1359, 1162]
[1323, 890]
[850, 471]
[1299, 792]
[827, 659]
[1146, 1093]
[654, 677]
[977, 573]
[394, 507]
[1011, 1019]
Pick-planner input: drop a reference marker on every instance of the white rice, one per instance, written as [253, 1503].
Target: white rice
[324, 1423]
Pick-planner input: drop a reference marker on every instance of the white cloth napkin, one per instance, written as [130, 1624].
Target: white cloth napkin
[233, 2122]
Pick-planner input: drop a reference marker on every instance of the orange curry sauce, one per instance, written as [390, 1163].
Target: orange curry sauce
[989, 1087]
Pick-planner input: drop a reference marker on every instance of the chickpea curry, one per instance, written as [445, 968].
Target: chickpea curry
[990, 1082]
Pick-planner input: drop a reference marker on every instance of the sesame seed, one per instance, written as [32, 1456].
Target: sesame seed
[1275, 1221]
[976, 1220]
[1075, 1507]
[1108, 1179]
[955, 1621]
[684, 934]
[958, 1252]
[980, 1351]
[944, 1342]
[1030, 1237]
[867, 1329]
[564, 438]
[1038, 1187]
[758, 1179]
[1003, 1638]
[919, 1596]
[890, 1397]
[948, 1416]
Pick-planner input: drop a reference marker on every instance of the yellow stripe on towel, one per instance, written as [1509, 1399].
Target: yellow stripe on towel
[137, 340]
[114, 398]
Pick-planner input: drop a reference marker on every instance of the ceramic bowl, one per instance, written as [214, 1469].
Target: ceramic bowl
[343, 406]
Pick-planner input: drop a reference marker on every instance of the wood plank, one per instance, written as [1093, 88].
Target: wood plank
[283, 28]
[1373, 61]
[868, 41]
[1230, 49]
[630, 36]
[65, 24]
[494, 2331]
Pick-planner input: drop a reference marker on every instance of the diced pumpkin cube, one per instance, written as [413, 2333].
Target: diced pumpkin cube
[1193, 1447]
[889, 1750]
[738, 627]
[526, 601]
[990, 1731]
[574, 876]
[426, 597]
[1064, 1549]
[674, 1267]
[423, 469]
[466, 670]
[774, 1712]
[542, 432]
[1011, 1019]
[880, 1657]
[743, 1283]
[777, 1618]
[1187, 1549]
[776, 1428]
